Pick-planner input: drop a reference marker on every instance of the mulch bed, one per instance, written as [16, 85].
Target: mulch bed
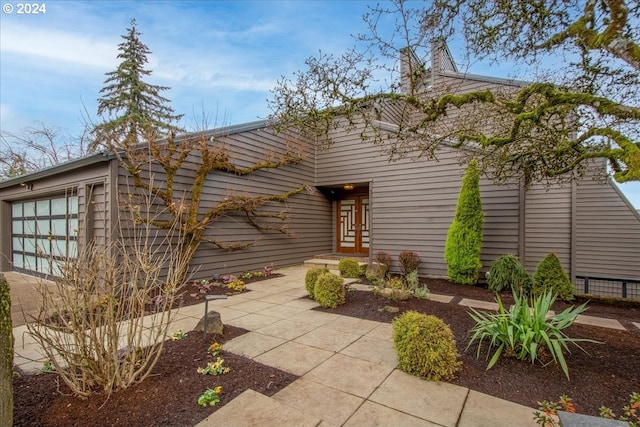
[607, 375]
[167, 398]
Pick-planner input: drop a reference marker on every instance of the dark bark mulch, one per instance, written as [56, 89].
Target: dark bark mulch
[167, 398]
[607, 375]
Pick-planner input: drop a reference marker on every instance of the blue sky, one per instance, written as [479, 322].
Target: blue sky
[219, 58]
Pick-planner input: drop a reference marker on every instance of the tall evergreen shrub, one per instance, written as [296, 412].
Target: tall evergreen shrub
[464, 239]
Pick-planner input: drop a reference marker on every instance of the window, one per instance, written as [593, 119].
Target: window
[44, 232]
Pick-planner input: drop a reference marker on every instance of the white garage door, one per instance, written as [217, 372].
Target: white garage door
[44, 233]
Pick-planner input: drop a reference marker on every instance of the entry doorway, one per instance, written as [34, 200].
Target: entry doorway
[353, 225]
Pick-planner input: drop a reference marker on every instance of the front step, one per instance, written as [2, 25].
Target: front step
[331, 264]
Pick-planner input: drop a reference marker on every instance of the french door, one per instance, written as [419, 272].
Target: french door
[353, 225]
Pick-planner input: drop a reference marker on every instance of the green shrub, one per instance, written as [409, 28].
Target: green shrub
[526, 331]
[375, 274]
[426, 346]
[422, 292]
[550, 276]
[409, 261]
[384, 261]
[507, 272]
[349, 267]
[394, 283]
[412, 280]
[329, 290]
[311, 278]
[464, 239]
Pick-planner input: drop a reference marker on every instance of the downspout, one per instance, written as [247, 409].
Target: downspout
[371, 234]
[572, 241]
[522, 224]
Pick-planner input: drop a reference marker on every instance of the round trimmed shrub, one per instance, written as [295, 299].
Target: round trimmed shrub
[550, 276]
[508, 272]
[349, 267]
[425, 346]
[329, 290]
[311, 278]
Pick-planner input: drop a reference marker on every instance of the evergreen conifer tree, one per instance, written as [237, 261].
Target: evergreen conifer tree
[132, 110]
[464, 239]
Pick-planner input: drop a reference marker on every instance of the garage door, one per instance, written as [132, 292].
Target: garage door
[44, 233]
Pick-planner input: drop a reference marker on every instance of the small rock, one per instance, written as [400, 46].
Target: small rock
[389, 309]
[214, 323]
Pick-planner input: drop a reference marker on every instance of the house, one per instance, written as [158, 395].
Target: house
[362, 204]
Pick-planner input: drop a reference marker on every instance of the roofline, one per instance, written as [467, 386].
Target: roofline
[226, 130]
[488, 79]
[57, 169]
[104, 156]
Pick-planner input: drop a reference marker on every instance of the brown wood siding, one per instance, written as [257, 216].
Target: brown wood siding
[413, 202]
[607, 233]
[547, 225]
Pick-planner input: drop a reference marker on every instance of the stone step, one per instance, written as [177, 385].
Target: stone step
[255, 409]
[331, 264]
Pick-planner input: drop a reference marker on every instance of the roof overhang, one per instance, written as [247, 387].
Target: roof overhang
[58, 169]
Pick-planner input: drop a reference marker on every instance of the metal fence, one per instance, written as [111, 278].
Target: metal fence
[608, 287]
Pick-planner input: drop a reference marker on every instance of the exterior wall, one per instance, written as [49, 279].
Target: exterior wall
[548, 219]
[78, 180]
[310, 214]
[413, 202]
[607, 238]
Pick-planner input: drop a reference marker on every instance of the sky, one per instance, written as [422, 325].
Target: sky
[220, 58]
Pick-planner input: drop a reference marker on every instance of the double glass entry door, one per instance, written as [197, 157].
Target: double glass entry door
[353, 225]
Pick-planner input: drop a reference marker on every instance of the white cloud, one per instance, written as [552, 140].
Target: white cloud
[58, 46]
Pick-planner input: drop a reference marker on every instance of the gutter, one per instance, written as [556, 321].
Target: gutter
[71, 165]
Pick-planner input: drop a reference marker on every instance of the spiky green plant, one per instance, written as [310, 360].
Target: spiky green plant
[527, 330]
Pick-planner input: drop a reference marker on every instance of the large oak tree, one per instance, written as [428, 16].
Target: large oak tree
[581, 60]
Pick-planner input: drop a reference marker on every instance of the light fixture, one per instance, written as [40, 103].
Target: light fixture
[348, 187]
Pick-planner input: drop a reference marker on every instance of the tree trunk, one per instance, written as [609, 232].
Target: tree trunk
[6, 356]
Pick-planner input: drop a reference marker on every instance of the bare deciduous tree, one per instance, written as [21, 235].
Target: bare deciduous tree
[38, 147]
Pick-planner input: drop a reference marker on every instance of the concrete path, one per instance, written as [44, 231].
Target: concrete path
[347, 370]
[346, 366]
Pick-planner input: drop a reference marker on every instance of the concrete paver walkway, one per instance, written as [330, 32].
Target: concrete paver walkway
[347, 370]
[347, 366]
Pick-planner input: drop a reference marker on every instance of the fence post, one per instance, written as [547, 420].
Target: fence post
[586, 285]
[624, 289]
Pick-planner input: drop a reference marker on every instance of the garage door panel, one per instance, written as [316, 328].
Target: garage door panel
[44, 233]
